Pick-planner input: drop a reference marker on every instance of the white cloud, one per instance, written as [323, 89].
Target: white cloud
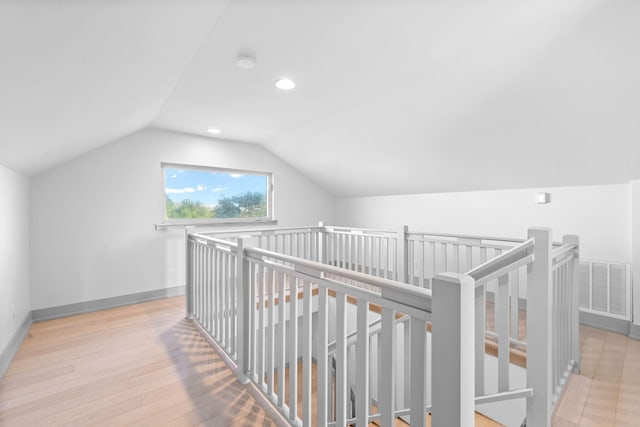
[219, 189]
[236, 175]
[180, 190]
[175, 175]
[201, 187]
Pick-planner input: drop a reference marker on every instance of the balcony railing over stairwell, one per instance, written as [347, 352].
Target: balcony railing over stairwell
[245, 297]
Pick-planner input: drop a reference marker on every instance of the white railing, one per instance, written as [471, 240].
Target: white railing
[271, 343]
[605, 288]
[431, 253]
[334, 286]
[565, 314]
[375, 252]
[212, 288]
[500, 268]
[301, 242]
[245, 297]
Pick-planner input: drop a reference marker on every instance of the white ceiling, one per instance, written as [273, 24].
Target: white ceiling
[400, 96]
[76, 74]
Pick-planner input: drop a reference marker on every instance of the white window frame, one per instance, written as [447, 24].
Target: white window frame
[217, 221]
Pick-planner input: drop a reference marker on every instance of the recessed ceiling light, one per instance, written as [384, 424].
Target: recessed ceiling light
[285, 84]
[213, 131]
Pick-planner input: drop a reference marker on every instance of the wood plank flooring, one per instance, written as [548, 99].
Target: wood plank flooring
[145, 365]
[138, 365]
[607, 390]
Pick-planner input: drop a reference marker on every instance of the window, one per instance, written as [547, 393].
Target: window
[206, 194]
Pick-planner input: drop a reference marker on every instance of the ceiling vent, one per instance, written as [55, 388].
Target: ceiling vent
[246, 61]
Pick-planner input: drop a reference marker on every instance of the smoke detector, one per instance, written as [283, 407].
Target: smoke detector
[246, 61]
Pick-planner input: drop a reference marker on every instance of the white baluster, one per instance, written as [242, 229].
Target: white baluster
[260, 351]
[574, 301]
[188, 262]
[362, 366]
[324, 379]
[418, 369]
[455, 259]
[514, 295]
[480, 324]
[223, 300]
[386, 383]
[271, 331]
[253, 310]
[233, 304]
[502, 331]
[402, 252]
[293, 348]
[422, 263]
[341, 359]
[281, 344]
[306, 353]
[407, 373]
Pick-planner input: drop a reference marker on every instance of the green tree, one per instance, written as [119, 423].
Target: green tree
[226, 208]
[187, 209]
[245, 205]
[169, 207]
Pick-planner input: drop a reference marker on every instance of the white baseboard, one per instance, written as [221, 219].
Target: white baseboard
[101, 304]
[606, 323]
[634, 331]
[9, 352]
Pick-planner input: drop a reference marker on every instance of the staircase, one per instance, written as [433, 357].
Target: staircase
[480, 419]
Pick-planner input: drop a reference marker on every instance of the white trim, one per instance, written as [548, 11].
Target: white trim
[105, 303]
[605, 322]
[12, 347]
[634, 331]
[604, 313]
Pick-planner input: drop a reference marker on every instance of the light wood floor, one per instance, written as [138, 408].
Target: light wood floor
[145, 365]
[607, 391]
[137, 365]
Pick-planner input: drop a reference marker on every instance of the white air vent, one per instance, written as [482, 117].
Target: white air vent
[605, 288]
[599, 286]
[617, 289]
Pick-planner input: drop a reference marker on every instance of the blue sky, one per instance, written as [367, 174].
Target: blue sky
[208, 186]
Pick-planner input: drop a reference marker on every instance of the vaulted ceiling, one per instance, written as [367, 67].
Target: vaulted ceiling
[392, 97]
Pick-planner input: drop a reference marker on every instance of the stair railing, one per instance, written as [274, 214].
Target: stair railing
[244, 298]
[390, 296]
[374, 252]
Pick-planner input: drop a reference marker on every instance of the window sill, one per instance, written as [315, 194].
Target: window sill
[167, 225]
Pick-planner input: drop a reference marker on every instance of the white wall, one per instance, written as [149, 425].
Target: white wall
[599, 214]
[92, 218]
[14, 253]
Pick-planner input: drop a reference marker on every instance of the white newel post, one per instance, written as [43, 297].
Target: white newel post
[575, 301]
[452, 347]
[188, 284]
[402, 253]
[244, 306]
[539, 295]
